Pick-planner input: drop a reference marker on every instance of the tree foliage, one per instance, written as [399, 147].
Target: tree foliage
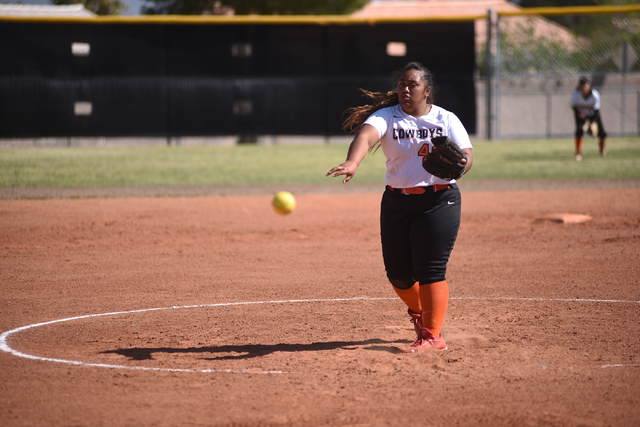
[592, 26]
[607, 43]
[99, 7]
[247, 7]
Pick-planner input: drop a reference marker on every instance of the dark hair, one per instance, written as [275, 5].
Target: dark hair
[583, 80]
[357, 115]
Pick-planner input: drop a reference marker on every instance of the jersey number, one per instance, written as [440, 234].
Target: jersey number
[424, 151]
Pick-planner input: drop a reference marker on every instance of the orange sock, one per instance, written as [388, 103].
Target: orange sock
[434, 298]
[411, 297]
[578, 145]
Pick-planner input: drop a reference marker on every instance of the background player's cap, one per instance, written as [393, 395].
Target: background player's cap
[584, 80]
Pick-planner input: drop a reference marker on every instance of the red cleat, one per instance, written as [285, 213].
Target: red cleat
[426, 341]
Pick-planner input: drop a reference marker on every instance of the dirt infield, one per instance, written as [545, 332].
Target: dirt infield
[214, 310]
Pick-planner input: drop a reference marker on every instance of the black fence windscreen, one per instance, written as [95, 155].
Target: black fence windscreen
[72, 79]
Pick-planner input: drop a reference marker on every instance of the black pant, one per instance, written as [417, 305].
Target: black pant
[418, 232]
[594, 118]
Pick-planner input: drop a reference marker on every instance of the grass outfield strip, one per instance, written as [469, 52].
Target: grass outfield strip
[546, 159]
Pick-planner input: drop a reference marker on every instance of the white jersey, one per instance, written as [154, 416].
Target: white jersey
[588, 105]
[405, 142]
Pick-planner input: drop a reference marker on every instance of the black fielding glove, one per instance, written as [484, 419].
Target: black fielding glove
[445, 159]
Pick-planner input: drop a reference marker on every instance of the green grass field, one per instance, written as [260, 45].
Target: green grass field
[546, 159]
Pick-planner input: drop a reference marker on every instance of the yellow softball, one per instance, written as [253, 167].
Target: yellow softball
[284, 202]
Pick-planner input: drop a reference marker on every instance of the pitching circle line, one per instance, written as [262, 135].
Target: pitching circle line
[4, 346]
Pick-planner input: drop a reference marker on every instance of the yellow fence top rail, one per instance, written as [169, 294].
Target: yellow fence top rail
[238, 19]
[573, 10]
[311, 19]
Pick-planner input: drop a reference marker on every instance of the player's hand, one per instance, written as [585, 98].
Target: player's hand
[347, 168]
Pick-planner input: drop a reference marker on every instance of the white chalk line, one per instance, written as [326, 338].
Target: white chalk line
[4, 346]
[622, 365]
[547, 299]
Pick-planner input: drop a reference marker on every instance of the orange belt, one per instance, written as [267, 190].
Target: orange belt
[420, 190]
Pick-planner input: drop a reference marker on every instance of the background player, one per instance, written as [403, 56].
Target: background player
[420, 213]
[585, 102]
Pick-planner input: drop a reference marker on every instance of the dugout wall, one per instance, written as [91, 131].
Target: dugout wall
[112, 78]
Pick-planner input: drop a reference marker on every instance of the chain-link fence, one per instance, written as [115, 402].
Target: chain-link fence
[529, 64]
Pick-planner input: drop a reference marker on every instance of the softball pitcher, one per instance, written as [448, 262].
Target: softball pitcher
[420, 212]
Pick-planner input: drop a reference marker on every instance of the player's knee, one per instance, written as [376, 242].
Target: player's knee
[402, 283]
[431, 277]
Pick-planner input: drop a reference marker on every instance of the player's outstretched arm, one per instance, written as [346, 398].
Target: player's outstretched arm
[364, 141]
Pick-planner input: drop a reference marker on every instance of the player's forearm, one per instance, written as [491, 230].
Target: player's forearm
[363, 142]
[469, 154]
[357, 150]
